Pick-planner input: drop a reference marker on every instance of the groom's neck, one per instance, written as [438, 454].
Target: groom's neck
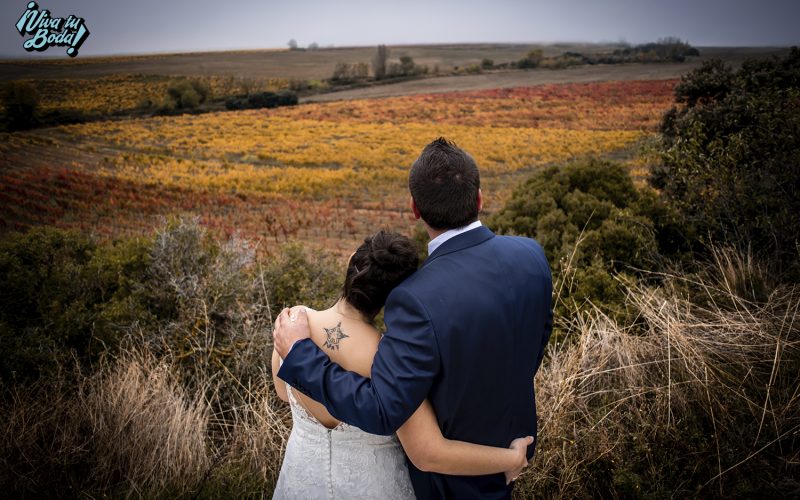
[433, 233]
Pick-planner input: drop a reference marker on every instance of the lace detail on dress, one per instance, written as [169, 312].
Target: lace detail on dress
[301, 412]
[340, 463]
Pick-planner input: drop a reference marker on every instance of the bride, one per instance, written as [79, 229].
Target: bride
[326, 458]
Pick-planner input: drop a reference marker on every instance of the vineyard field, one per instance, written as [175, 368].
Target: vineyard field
[324, 173]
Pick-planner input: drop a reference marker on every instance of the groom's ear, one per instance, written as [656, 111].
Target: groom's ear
[415, 209]
[480, 200]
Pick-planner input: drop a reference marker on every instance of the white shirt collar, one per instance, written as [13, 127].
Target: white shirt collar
[437, 242]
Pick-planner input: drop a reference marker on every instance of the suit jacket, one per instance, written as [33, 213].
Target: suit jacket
[468, 331]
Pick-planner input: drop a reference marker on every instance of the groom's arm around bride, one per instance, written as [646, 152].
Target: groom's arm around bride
[467, 331]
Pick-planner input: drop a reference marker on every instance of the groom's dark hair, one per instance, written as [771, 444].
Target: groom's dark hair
[444, 182]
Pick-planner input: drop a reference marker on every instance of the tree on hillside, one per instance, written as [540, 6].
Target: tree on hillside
[379, 62]
[292, 44]
[730, 155]
[531, 60]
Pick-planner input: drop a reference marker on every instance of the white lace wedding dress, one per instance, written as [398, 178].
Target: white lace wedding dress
[344, 462]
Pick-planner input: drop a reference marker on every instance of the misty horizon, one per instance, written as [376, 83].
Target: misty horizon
[54, 54]
[184, 26]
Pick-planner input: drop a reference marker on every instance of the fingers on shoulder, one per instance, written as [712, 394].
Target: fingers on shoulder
[297, 310]
[283, 316]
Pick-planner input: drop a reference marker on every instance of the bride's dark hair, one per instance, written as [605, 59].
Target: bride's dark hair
[381, 263]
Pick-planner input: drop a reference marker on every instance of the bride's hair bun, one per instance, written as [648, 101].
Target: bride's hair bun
[391, 251]
[381, 263]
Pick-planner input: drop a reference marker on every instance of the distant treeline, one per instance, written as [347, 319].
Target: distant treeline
[664, 50]
[26, 106]
[668, 49]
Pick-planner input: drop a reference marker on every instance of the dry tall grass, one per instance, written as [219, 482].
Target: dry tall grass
[258, 435]
[148, 433]
[694, 397]
[689, 400]
[132, 430]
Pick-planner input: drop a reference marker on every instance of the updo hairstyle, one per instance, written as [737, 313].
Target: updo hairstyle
[381, 263]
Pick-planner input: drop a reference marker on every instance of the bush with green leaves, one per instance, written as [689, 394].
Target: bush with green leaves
[531, 60]
[63, 298]
[730, 156]
[182, 294]
[265, 99]
[406, 67]
[668, 49]
[596, 228]
[295, 276]
[186, 94]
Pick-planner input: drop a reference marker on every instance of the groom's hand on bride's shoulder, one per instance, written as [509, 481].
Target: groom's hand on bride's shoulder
[291, 325]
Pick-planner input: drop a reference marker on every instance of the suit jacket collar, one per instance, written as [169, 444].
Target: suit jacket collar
[460, 242]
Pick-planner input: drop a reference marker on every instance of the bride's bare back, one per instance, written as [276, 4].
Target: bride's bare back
[348, 341]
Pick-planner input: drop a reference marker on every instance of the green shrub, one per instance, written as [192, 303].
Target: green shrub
[668, 49]
[531, 60]
[474, 69]
[406, 67]
[295, 276]
[595, 227]
[730, 156]
[63, 298]
[182, 294]
[263, 100]
[186, 94]
[565, 61]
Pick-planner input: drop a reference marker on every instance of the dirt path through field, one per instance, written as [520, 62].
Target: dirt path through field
[513, 79]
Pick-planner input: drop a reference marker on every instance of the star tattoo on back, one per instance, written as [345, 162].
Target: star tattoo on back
[334, 336]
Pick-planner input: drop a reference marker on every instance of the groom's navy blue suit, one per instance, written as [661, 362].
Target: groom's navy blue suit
[468, 331]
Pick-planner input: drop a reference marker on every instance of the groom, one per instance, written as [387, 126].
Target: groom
[467, 331]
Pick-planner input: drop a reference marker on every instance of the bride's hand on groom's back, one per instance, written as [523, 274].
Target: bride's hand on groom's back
[520, 445]
[291, 325]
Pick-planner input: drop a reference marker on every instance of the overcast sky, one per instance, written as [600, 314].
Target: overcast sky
[142, 26]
